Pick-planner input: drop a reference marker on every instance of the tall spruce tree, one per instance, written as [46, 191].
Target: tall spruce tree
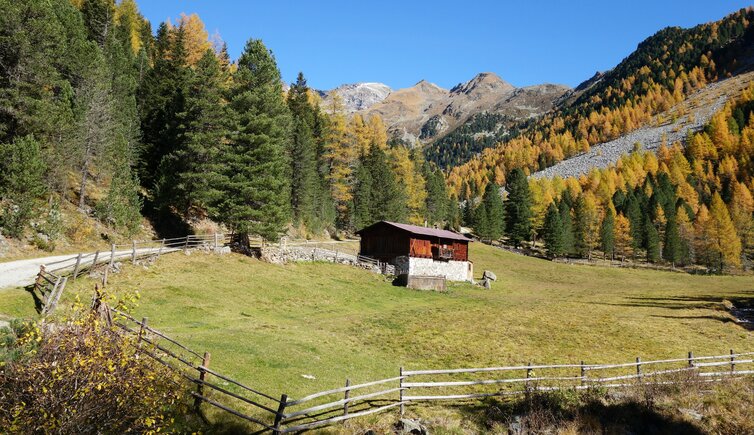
[518, 212]
[388, 200]
[552, 232]
[305, 182]
[162, 101]
[607, 233]
[193, 169]
[257, 188]
[652, 239]
[494, 213]
[672, 245]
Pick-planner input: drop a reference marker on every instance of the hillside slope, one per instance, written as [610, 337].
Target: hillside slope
[672, 126]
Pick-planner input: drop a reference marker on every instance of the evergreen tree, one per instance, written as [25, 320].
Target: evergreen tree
[191, 172]
[553, 232]
[99, 16]
[652, 241]
[480, 221]
[162, 103]
[437, 204]
[305, 181]
[491, 213]
[518, 212]
[454, 214]
[121, 208]
[567, 222]
[607, 233]
[636, 219]
[22, 171]
[672, 249]
[362, 198]
[388, 200]
[256, 193]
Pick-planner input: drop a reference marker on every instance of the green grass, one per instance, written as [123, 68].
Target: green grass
[267, 325]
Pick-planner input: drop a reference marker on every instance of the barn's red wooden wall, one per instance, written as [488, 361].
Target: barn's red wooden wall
[386, 242]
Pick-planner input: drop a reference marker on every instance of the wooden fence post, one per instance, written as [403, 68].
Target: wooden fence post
[400, 391]
[348, 392]
[142, 327]
[133, 252]
[76, 267]
[52, 301]
[112, 256]
[279, 415]
[732, 361]
[528, 374]
[159, 251]
[94, 260]
[691, 359]
[104, 277]
[216, 243]
[48, 298]
[38, 281]
[200, 384]
[185, 246]
[638, 367]
[583, 373]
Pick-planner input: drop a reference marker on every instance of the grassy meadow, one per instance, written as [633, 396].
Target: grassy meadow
[269, 325]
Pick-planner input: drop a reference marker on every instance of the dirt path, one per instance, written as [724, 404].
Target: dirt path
[22, 272]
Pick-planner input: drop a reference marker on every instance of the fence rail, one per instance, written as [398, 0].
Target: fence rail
[53, 277]
[193, 366]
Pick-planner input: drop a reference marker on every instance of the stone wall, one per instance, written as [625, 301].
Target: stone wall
[451, 270]
[277, 255]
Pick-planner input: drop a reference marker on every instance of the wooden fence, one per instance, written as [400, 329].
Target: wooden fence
[449, 385]
[53, 277]
[210, 386]
[281, 414]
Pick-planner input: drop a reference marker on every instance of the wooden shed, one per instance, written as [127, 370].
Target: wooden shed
[386, 241]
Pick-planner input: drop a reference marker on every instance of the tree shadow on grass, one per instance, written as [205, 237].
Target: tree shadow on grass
[545, 413]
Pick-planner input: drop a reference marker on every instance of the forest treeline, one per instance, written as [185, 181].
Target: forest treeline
[102, 111]
[681, 206]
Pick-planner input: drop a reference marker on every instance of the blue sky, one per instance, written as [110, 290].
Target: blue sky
[401, 42]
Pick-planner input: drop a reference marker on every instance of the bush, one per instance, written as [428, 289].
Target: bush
[83, 377]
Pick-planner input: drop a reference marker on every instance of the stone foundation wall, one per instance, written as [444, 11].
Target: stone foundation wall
[277, 255]
[451, 270]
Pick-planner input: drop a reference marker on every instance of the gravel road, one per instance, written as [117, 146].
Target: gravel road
[22, 272]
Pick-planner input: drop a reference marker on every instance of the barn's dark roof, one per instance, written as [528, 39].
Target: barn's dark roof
[424, 231]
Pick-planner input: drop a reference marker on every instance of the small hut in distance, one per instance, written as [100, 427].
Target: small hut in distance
[420, 255]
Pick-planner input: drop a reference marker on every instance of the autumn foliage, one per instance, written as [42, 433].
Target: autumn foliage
[695, 201]
[82, 377]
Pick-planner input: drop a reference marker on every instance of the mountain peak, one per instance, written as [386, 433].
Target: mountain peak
[361, 96]
[483, 82]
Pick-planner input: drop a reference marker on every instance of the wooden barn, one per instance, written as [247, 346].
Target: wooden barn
[418, 251]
